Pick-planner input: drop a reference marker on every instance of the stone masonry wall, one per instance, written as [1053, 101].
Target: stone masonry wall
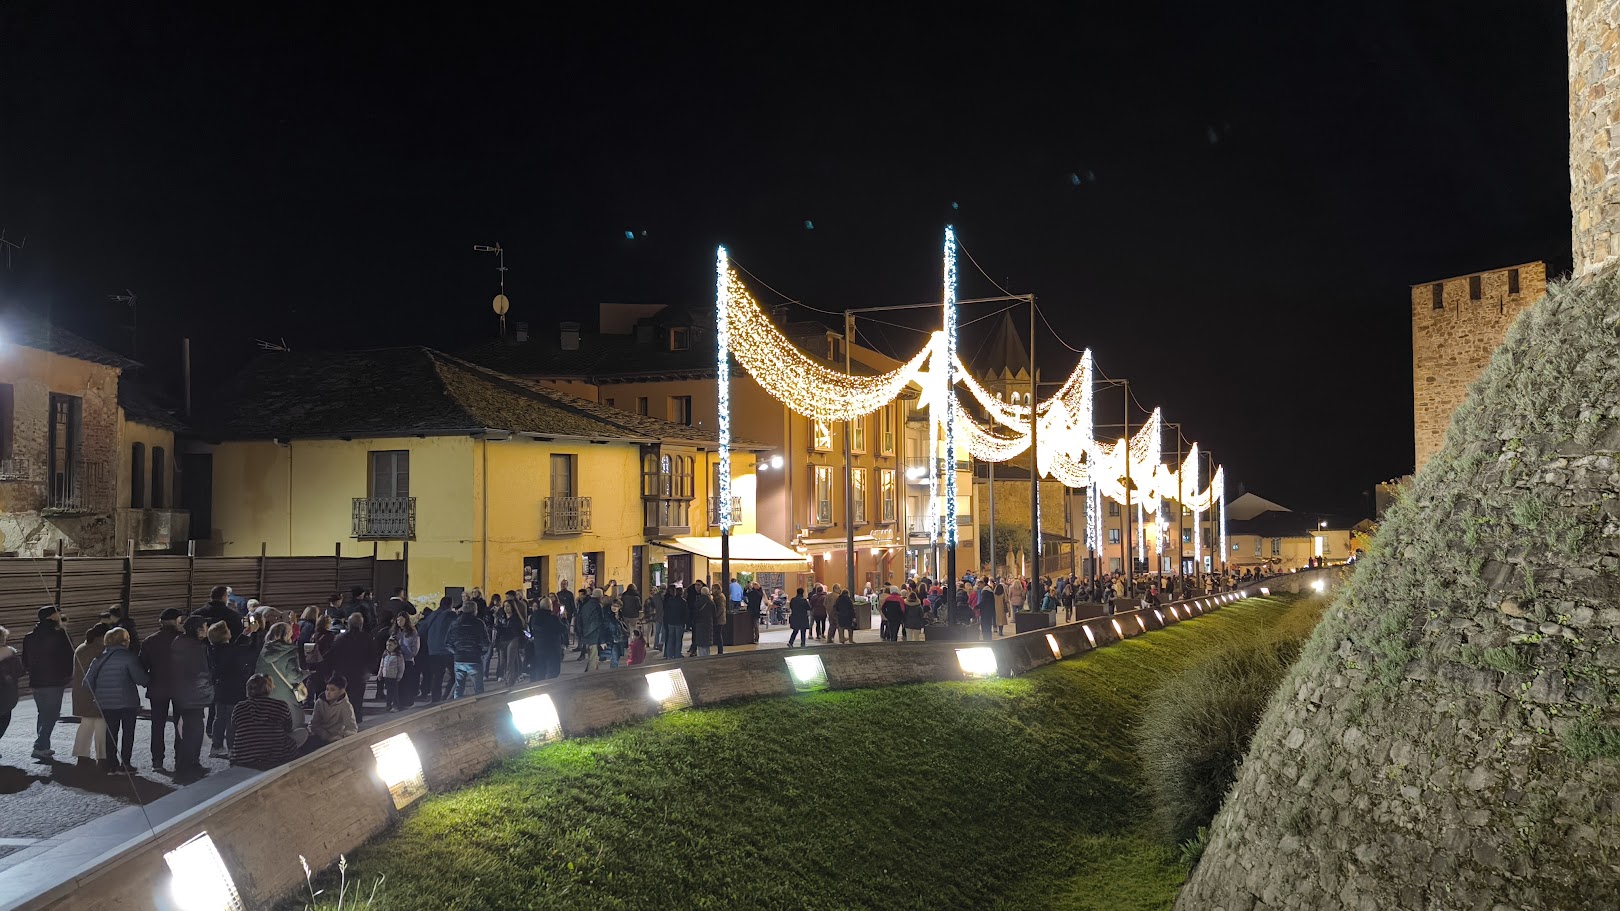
[1594, 114]
[1452, 344]
[1450, 738]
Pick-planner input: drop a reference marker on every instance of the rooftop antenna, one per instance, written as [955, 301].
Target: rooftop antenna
[9, 245]
[133, 300]
[500, 304]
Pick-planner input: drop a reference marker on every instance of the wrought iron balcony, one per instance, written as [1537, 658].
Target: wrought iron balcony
[566, 515]
[385, 518]
[714, 510]
[79, 487]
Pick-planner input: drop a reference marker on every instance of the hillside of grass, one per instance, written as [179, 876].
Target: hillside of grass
[996, 794]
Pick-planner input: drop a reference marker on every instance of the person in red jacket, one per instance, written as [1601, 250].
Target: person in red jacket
[638, 649]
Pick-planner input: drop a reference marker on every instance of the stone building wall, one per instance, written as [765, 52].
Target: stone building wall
[1453, 337]
[28, 527]
[1594, 114]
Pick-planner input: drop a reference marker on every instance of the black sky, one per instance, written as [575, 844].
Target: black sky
[1259, 183]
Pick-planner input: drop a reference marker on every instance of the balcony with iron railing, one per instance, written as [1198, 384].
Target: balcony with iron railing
[385, 518]
[714, 510]
[79, 487]
[566, 515]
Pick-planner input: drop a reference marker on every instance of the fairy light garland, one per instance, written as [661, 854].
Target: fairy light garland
[722, 337]
[949, 306]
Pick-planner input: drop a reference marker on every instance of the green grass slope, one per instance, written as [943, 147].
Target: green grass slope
[1000, 794]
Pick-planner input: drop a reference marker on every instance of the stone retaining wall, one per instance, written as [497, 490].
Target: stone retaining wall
[333, 801]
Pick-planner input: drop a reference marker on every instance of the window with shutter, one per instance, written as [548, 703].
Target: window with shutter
[390, 473]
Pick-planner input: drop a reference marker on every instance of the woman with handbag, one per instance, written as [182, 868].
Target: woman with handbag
[279, 662]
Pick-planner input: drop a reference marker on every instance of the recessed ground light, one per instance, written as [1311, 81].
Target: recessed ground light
[1051, 641]
[1142, 623]
[977, 662]
[1090, 636]
[808, 672]
[200, 881]
[536, 719]
[1117, 630]
[668, 689]
[400, 768]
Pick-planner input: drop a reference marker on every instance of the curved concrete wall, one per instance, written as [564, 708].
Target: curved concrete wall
[333, 801]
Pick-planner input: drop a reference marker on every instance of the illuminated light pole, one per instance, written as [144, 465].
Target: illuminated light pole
[722, 338]
[949, 307]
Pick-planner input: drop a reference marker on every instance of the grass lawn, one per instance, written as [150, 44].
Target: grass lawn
[999, 794]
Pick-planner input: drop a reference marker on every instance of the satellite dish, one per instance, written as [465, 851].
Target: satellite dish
[501, 305]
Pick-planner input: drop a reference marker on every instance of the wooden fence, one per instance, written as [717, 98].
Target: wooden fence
[85, 586]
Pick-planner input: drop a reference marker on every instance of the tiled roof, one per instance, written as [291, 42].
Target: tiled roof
[32, 331]
[408, 392]
[143, 406]
[605, 358]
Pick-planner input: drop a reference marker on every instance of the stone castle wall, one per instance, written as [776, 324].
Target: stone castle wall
[1452, 343]
[1594, 114]
[1450, 738]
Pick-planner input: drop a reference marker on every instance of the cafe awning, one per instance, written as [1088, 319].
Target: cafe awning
[752, 549]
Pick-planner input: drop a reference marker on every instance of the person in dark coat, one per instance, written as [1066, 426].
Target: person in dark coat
[550, 638]
[675, 614]
[48, 654]
[799, 619]
[844, 611]
[193, 692]
[231, 663]
[154, 653]
[351, 656]
[893, 611]
[112, 679]
[702, 617]
[754, 599]
[818, 609]
[120, 617]
[468, 643]
[914, 617]
[438, 663]
[219, 608]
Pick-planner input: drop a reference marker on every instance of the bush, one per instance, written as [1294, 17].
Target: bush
[1199, 724]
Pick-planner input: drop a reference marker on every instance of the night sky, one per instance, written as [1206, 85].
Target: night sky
[1226, 202]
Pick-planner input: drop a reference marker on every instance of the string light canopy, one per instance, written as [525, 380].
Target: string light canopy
[1068, 451]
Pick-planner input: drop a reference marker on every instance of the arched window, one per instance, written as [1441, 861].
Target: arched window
[137, 475]
[159, 477]
[666, 476]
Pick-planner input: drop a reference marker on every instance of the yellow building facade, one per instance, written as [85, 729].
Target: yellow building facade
[516, 484]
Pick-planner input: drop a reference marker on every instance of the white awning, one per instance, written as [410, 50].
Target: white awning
[750, 548]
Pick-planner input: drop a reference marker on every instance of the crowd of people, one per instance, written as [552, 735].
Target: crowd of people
[261, 685]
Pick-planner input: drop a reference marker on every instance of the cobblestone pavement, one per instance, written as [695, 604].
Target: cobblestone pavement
[39, 799]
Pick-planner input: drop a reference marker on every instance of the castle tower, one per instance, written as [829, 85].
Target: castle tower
[1456, 324]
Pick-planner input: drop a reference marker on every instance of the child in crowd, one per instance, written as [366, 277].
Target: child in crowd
[389, 671]
[638, 649]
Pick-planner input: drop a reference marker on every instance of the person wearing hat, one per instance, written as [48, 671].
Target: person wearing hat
[155, 659]
[119, 615]
[48, 655]
[192, 688]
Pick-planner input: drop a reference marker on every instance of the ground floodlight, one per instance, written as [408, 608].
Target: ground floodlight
[808, 672]
[1117, 630]
[1174, 613]
[1264, 590]
[536, 719]
[200, 881]
[1141, 623]
[668, 689]
[977, 662]
[1160, 614]
[1051, 640]
[1320, 585]
[1090, 636]
[400, 769]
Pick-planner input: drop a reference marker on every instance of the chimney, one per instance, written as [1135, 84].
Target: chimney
[520, 332]
[1594, 105]
[570, 336]
[779, 313]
